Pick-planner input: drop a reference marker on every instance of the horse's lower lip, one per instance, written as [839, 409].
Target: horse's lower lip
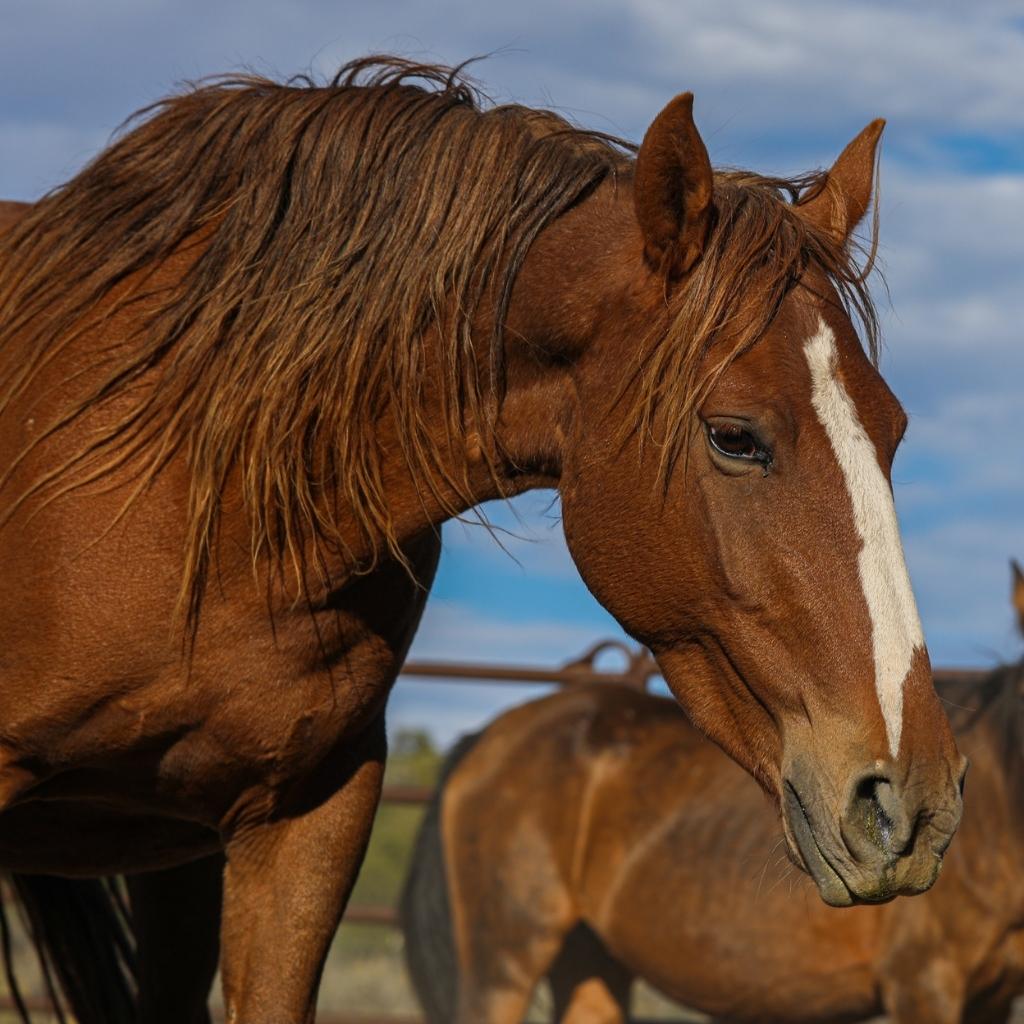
[834, 891]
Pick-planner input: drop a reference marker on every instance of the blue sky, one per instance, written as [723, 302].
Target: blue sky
[780, 87]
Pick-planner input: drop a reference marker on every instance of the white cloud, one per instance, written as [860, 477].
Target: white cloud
[952, 255]
[948, 68]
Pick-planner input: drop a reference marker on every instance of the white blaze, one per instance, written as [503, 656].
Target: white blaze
[895, 626]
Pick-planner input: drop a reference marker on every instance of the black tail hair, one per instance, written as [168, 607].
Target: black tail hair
[424, 912]
[81, 930]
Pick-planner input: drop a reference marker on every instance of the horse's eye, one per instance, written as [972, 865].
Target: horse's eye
[738, 442]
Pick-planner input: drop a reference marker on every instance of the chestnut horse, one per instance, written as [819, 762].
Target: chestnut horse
[595, 837]
[257, 351]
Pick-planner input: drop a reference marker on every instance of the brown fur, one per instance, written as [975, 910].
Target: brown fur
[254, 355]
[594, 837]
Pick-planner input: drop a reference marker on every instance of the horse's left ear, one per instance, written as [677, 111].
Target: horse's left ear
[672, 189]
[838, 205]
[1018, 591]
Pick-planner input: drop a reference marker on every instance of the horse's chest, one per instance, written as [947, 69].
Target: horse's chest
[155, 773]
[238, 726]
[192, 739]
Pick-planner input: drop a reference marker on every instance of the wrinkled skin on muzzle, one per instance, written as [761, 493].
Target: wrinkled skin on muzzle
[865, 827]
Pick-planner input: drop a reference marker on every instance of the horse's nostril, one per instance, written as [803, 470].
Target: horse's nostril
[876, 805]
[963, 775]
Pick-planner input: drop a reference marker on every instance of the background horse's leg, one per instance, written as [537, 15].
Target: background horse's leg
[286, 885]
[588, 986]
[498, 978]
[176, 918]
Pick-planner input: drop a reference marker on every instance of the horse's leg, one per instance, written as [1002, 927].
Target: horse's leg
[933, 991]
[496, 1001]
[498, 978]
[286, 885]
[507, 933]
[588, 986]
[176, 919]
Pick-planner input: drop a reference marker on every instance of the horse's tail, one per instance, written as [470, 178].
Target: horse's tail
[424, 910]
[81, 930]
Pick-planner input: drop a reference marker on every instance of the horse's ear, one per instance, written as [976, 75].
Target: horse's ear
[672, 189]
[839, 203]
[1018, 591]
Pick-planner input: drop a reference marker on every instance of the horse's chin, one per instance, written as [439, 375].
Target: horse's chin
[807, 854]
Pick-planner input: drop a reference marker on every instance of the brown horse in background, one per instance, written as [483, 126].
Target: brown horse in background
[254, 355]
[595, 837]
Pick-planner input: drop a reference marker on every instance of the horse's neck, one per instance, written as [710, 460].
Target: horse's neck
[520, 452]
[578, 266]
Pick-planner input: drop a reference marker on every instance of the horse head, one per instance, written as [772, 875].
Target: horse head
[726, 495]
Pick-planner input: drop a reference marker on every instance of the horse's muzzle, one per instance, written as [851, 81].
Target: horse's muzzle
[880, 841]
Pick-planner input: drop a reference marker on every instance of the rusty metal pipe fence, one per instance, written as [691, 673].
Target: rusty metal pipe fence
[640, 668]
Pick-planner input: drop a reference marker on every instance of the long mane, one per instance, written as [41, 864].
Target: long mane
[330, 228]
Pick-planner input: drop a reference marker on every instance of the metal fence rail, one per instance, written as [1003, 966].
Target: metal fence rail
[640, 668]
